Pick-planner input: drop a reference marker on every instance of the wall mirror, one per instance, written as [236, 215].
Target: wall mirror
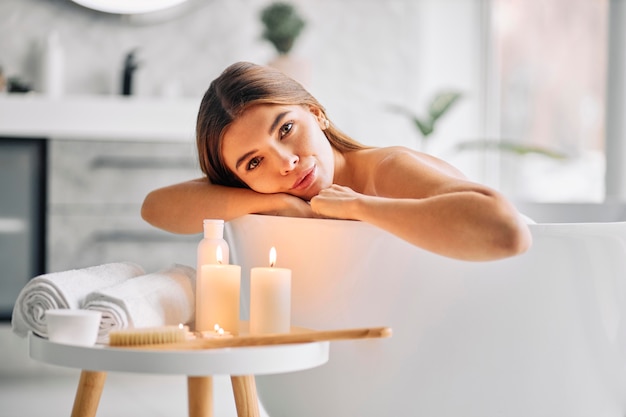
[128, 6]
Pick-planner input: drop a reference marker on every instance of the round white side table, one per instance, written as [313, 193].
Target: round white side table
[241, 363]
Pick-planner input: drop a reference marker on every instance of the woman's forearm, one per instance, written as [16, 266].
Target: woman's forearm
[471, 224]
[465, 225]
[181, 208]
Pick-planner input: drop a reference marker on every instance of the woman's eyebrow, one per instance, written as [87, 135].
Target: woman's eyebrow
[277, 120]
[244, 157]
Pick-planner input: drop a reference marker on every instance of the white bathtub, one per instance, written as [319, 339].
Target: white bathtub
[542, 334]
[574, 212]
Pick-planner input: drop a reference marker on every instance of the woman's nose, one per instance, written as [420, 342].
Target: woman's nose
[288, 161]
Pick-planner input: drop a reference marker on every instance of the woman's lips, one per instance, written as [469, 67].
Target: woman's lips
[305, 180]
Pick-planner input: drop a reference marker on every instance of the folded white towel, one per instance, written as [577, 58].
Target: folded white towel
[66, 289]
[162, 298]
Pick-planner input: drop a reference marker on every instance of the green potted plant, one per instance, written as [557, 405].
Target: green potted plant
[441, 104]
[282, 26]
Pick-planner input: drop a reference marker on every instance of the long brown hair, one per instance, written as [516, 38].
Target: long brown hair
[239, 87]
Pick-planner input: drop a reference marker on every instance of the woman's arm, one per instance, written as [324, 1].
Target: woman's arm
[433, 209]
[181, 208]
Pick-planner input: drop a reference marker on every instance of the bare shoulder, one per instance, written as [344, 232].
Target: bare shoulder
[399, 158]
[400, 171]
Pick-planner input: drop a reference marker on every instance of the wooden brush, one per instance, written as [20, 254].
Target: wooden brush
[148, 336]
[298, 336]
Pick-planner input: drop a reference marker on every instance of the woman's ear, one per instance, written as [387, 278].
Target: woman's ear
[319, 115]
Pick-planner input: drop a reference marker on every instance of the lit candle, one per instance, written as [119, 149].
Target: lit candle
[216, 332]
[218, 295]
[188, 335]
[270, 298]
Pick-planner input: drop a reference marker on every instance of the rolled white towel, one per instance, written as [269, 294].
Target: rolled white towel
[66, 289]
[161, 298]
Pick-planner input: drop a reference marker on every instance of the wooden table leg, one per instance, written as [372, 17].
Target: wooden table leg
[246, 399]
[88, 393]
[200, 396]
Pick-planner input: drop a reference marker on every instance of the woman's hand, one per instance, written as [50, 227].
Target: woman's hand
[290, 206]
[336, 202]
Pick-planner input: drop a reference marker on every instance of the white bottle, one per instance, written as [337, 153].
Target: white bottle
[52, 69]
[213, 238]
[207, 254]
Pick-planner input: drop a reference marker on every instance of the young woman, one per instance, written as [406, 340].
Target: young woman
[267, 146]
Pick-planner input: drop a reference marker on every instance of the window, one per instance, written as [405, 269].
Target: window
[549, 61]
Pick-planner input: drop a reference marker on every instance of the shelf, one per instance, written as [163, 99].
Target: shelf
[99, 118]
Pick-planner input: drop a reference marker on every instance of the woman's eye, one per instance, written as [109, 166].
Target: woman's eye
[286, 128]
[253, 163]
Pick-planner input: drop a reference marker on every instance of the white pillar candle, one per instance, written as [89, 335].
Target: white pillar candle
[218, 294]
[270, 298]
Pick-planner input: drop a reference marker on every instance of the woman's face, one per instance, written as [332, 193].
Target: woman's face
[280, 149]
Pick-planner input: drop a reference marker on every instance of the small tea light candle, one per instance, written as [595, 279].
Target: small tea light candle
[188, 335]
[270, 298]
[218, 295]
[216, 332]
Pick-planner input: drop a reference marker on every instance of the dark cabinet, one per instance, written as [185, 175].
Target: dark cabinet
[22, 216]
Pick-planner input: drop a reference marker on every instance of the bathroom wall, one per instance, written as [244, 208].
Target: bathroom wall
[363, 55]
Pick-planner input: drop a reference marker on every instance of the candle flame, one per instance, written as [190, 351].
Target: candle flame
[272, 256]
[217, 329]
[218, 254]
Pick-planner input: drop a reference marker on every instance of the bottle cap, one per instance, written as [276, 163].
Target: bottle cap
[213, 228]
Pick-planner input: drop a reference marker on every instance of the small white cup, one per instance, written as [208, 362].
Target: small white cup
[73, 327]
